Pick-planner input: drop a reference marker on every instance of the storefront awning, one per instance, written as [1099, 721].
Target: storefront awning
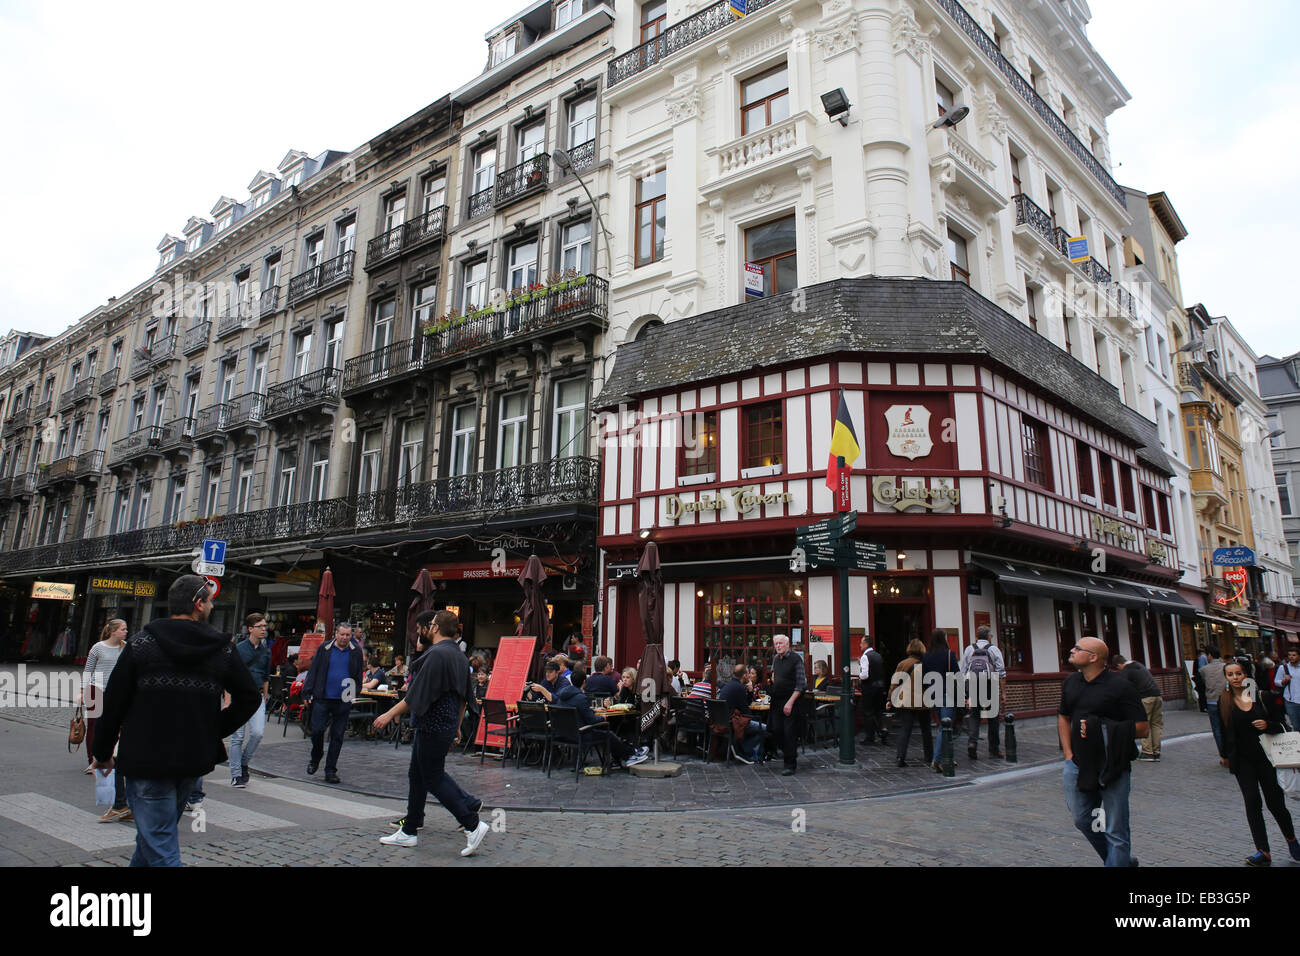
[1111, 593]
[1217, 620]
[1164, 601]
[1029, 580]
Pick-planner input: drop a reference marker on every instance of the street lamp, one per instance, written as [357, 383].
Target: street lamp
[565, 164]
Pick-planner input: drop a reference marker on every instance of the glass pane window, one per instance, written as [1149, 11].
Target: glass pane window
[334, 344]
[764, 436]
[512, 430]
[394, 212]
[320, 472]
[433, 193]
[523, 266]
[771, 247]
[764, 100]
[957, 257]
[244, 487]
[410, 466]
[1037, 452]
[346, 235]
[570, 419]
[1013, 631]
[485, 169]
[742, 617]
[286, 489]
[302, 354]
[700, 443]
[532, 140]
[1064, 633]
[381, 332]
[575, 251]
[368, 477]
[474, 293]
[424, 306]
[651, 217]
[654, 15]
[566, 11]
[1083, 456]
[582, 122]
[464, 442]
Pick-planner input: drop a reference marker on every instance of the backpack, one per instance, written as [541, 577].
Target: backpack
[981, 662]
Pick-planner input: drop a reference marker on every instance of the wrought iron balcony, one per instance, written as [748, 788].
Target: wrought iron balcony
[141, 442]
[269, 303]
[242, 412]
[324, 276]
[480, 202]
[196, 338]
[90, 464]
[1189, 376]
[677, 37]
[23, 486]
[1061, 239]
[6, 484]
[579, 301]
[238, 315]
[41, 410]
[176, 434]
[1095, 271]
[523, 180]
[108, 381]
[78, 393]
[148, 358]
[391, 363]
[17, 421]
[320, 387]
[984, 43]
[1028, 213]
[384, 246]
[64, 469]
[583, 156]
[427, 227]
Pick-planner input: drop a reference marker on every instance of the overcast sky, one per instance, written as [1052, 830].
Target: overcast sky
[120, 121]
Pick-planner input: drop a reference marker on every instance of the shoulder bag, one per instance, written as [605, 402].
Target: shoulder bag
[77, 730]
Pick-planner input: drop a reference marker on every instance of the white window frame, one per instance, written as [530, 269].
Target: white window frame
[576, 415]
[410, 462]
[244, 487]
[394, 212]
[464, 440]
[433, 193]
[474, 278]
[302, 345]
[368, 473]
[424, 306]
[485, 173]
[575, 253]
[582, 126]
[531, 142]
[318, 488]
[512, 431]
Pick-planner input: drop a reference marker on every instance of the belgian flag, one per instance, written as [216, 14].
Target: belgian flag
[844, 451]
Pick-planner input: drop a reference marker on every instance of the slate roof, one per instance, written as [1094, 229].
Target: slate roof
[897, 316]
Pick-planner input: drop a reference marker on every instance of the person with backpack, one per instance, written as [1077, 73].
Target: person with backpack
[980, 663]
[1286, 681]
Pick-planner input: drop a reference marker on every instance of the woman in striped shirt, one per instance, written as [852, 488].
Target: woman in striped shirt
[94, 678]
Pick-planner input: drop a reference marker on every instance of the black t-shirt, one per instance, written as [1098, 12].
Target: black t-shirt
[1107, 695]
[1136, 674]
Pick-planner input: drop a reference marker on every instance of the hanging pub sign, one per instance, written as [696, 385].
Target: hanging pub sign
[909, 431]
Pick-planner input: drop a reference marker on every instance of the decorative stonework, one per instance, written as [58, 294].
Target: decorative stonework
[684, 104]
[908, 35]
[831, 8]
[764, 192]
[839, 38]
[993, 119]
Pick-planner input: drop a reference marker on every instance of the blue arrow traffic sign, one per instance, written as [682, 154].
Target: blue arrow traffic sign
[214, 551]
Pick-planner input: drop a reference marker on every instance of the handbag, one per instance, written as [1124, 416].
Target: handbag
[76, 730]
[1282, 750]
[739, 723]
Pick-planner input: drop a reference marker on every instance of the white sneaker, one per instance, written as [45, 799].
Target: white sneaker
[473, 838]
[643, 751]
[399, 839]
[635, 759]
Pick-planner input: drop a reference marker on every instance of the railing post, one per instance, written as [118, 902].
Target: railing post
[946, 763]
[1010, 752]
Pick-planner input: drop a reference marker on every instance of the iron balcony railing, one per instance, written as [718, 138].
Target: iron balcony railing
[382, 365]
[108, 381]
[1028, 213]
[1061, 239]
[17, 421]
[64, 469]
[236, 413]
[677, 37]
[320, 387]
[90, 463]
[426, 227]
[384, 246]
[196, 338]
[1095, 271]
[178, 432]
[324, 276]
[78, 393]
[148, 358]
[23, 485]
[557, 482]
[237, 315]
[142, 441]
[546, 309]
[270, 301]
[523, 180]
[583, 156]
[480, 202]
[1189, 376]
[985, 44]
[41, 410]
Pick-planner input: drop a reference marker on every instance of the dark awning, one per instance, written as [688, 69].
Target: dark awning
[1034, 581]
[1165, 601]
[1112, 593]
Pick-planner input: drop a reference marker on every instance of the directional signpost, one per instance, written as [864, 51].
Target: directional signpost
[826, 545]
[212, 562]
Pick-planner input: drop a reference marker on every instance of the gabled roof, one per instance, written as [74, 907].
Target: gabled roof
[224, 203]
[167, 242]
[196, 224]
[1168, 216]
[261, 179]
[294, 157]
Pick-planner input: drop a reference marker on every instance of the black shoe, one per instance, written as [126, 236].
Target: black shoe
[311, 767]
[332, 778]
[902, 763]
[788, 772]
[974, 753]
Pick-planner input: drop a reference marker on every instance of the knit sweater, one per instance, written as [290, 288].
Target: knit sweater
[100, 662]
[164, 699]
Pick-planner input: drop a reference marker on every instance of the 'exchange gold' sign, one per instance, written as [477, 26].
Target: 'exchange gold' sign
[127, 586]
[887, 491]
[744, 500]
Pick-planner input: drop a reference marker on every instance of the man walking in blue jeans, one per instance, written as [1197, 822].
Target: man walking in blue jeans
[333, 682]
[1286, 679]
[256, 655]
[1101, 717]
[164, 700]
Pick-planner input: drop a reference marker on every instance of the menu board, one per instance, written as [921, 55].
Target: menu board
[307, 648]
[509, 671]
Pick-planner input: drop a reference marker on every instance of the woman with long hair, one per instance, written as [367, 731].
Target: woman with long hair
[100, 662]
[908, 705]
[1244, 718]
[627, 687]
[941, 659]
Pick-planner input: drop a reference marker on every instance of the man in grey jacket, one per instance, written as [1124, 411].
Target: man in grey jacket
[1215, 683]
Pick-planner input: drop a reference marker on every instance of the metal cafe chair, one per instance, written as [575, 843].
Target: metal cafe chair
[567, 736]
[533, 731]
[496, 721]
[719, 715]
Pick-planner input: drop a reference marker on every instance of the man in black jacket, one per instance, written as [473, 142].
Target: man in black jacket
[789, 681]
[1100, 716]
[332, 685]
[164, 699]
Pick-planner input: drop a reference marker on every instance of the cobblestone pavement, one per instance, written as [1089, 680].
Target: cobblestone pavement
[1015, 817]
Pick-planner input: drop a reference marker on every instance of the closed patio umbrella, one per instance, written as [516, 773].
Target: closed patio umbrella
[423, 588]
[650, 601]
[533, 620]
[325, 603]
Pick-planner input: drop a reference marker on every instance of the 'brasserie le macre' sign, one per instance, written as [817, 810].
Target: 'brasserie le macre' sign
[744, 500]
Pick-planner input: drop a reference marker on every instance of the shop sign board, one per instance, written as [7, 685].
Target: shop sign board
[53, 591]
[886, 490]
[1243, 557]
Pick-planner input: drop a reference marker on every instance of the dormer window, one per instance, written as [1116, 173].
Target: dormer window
[225, 220]
[294, 178]
[261, 198]
[503, 48]
[193, 242]
[169, 256]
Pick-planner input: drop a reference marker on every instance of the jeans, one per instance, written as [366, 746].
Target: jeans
[752, 744]
[1292, 714]
[1212, 708]
[428, 775]
[157, 806]
[244, 741]
[1107, 831]
[335, 713]
[196, 792]
[951, 714]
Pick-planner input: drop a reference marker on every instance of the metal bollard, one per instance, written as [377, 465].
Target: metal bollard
[1010, 742]
[946, 763]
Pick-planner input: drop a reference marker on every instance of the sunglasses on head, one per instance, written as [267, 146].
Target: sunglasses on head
[203, 589]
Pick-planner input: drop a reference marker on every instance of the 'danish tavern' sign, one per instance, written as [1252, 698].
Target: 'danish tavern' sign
[1102, 526]
[744, 500]
[886, 490]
